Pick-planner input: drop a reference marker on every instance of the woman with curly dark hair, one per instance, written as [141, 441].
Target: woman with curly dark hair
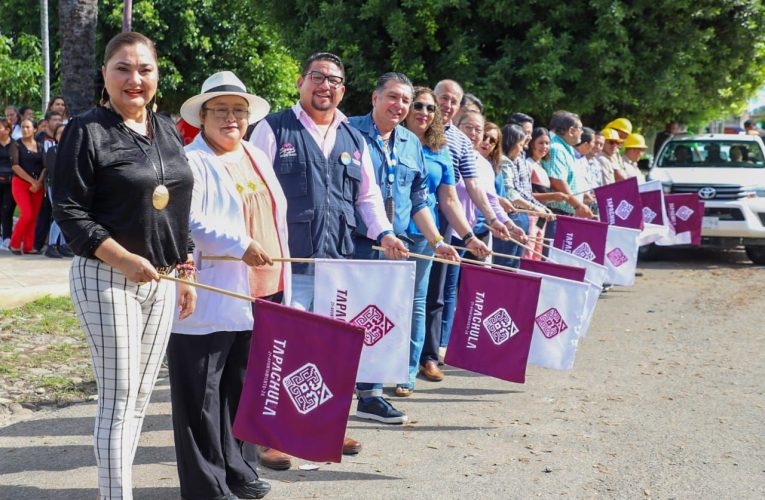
[424, 119]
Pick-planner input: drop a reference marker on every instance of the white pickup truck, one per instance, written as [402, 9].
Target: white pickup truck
[728, 173]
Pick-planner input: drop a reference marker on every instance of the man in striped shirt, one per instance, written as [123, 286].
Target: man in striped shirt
[449, 95]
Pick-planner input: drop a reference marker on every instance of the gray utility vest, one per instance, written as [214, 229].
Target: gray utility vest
[321, 192]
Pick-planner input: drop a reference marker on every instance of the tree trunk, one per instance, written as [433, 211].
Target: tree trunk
[77, 25]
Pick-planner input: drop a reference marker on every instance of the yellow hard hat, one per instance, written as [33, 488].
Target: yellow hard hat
[611, 135]
[622, 125]
[634, 141]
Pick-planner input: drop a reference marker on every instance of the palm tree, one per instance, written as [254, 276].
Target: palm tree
[77, 24]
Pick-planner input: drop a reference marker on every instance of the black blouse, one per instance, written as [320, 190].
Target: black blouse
[32, 162]
[104, 183]
[5, 162]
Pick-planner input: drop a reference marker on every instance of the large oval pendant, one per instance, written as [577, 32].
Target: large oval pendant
[160, 197]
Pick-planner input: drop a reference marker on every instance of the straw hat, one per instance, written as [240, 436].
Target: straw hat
[223, 83]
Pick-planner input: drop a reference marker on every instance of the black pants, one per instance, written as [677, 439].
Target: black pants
[7, 206]
[206, 379]
[42, 226]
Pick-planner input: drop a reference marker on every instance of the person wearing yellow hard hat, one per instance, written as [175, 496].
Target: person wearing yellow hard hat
[622, 126]
[608, 159]
[634, 147]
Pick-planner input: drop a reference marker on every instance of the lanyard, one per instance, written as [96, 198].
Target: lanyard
[390, 158]
[159, 173]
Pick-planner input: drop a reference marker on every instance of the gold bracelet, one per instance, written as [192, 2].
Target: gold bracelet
[435, 241]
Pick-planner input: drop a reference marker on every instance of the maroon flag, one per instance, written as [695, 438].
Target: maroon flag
[619, 204]
[653, 212]
[553, 269]
[685, 213]
[300, 381]
[493, 322]
[585, 238]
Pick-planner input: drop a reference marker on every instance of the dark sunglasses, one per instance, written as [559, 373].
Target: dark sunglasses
[492, 140]
[419, 106]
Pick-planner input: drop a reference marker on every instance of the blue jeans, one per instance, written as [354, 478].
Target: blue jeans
[302, 290]
[363, 251]
[450, 296]
[508, 247]
[421, 278]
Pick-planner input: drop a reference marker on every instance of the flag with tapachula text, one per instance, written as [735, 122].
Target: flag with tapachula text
[619, 203]
[299, 382]
[493, 322]
[585, 238]
[376, 295]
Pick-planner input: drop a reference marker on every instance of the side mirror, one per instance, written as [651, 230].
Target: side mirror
[644, 164]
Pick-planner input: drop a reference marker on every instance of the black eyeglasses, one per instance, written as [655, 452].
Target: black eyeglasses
[419, 106]
[317, 78]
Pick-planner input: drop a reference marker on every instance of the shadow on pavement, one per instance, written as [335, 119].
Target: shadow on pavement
[292, 476]
[465, 391]
[696, 259]
[21, 492]
[70, 457]
[415, 427]
[74, 426]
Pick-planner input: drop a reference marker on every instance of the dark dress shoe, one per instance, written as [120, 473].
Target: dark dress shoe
[254, 489]
[64, 251]
[351, 446]
[52, 252]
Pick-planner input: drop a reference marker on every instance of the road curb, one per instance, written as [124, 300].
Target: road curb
[15, 297]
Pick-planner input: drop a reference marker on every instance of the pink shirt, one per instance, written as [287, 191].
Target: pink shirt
[369, 202]
[486, 179]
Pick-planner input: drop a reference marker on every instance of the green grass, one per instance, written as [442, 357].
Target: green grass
[43, 346]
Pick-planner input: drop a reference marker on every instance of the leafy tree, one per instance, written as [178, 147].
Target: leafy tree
[651, 60]
[20, 70]
[197, 38]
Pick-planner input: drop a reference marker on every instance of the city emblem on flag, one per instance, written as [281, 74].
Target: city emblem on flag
[617, 257]
[551, 323]
[584, 251]
[306, 388]
[499, 325]
[648, 215]
[624, 209]
[684, 213]
[375, 324]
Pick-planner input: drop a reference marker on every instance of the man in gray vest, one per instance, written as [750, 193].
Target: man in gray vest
[312, 148]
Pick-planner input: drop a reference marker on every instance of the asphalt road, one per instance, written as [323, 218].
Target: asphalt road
[665, 401]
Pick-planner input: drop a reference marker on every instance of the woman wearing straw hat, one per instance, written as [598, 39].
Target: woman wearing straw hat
[237, 209]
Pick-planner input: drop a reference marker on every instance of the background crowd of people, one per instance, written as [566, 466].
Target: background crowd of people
[28, 150]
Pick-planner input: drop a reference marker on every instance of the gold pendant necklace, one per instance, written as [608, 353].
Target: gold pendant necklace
[160, 197]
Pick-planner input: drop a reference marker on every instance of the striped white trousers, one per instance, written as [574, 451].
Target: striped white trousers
[127, 327]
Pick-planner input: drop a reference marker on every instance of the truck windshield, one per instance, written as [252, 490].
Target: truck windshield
[712, 154]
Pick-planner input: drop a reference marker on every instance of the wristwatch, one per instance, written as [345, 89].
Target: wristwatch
[491, 221]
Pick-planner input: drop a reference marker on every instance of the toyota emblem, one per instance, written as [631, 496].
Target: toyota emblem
[707, 193]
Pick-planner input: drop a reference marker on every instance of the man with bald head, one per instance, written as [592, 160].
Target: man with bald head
[449, 96]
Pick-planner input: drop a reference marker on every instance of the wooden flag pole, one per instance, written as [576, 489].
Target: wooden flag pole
[275, 259]
[544, 215]
[444, 261]
[492, 252]
[207, 287]
[528, 248]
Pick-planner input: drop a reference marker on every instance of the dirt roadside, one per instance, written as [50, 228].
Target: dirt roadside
[665, 401]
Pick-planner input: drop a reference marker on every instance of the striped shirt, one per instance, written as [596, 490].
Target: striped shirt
[463, 157]
[561, 166]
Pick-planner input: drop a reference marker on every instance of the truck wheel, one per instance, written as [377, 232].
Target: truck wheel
[649, 252]
[756, 254]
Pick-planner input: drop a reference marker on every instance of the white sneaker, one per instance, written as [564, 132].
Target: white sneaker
[5, 244]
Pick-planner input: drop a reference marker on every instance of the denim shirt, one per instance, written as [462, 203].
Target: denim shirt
[410, 190]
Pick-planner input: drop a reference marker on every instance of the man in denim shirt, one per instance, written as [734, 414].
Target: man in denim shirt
[400, 172]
